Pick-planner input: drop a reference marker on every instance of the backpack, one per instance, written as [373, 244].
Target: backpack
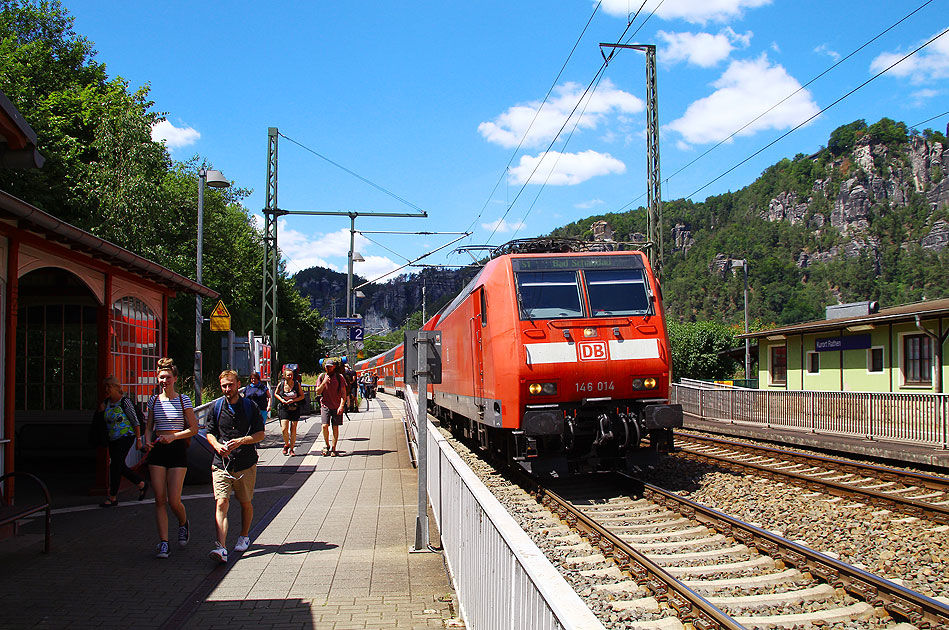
[249, 409]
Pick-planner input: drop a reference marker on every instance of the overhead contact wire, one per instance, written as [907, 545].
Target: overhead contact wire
[785, 99]
[595, 81]
[536, 114]
[356, 175]
[809, 119]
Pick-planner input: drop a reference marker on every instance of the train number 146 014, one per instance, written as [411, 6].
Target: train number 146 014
[598, 386]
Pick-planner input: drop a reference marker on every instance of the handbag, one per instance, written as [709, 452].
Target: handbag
[98, 431]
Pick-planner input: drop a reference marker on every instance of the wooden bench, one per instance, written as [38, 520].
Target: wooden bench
[12, 514]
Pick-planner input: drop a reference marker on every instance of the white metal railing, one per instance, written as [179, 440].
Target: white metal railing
[901, 417]
[502, 579]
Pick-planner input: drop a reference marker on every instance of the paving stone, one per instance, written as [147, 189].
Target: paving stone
[334, 556]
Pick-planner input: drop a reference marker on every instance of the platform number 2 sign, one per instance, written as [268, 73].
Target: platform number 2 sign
[356, 334]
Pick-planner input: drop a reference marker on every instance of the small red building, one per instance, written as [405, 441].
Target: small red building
[75, 309]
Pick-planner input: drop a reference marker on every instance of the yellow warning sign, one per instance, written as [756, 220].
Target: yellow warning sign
[220, 318]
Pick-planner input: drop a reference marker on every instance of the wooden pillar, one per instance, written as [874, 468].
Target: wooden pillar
[9, 363]
[103, 321]
[163, 351]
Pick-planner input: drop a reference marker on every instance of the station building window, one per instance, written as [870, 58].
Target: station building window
[917, 360]
[135, 347]
[779, 365]
[56, 343]
[875, 359]
[813, 362]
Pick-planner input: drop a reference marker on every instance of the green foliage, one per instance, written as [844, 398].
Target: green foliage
[935, 136]
[104, 174]
[697, 350]
[889, 132]
[843, 139]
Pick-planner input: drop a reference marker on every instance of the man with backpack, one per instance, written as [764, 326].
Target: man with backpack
[234, 427]
[331, 388]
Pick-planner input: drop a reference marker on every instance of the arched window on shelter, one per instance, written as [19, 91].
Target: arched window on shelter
[135, 347]
[56, 343]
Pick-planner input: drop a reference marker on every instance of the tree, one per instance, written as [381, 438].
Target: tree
[103, 173]
[697, 350]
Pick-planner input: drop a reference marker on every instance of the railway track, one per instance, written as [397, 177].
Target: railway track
[912, 493]
[662, 557]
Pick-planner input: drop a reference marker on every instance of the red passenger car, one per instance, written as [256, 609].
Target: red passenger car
[559, 361]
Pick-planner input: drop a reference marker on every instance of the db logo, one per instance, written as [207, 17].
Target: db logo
[592, 351]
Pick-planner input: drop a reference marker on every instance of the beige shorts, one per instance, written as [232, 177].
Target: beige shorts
[243, 486]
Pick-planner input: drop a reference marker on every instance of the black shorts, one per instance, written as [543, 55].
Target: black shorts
[287, 414]
[174, 455]
[329, 416]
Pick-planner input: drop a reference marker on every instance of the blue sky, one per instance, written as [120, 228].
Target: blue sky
[429, 101]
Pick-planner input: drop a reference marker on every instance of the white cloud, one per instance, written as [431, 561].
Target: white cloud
[174, 137]
[564, 169]
[744, 91]
[929, 64]
[824, 49]
[508, 128]
[500, 225]
[700, 49]
[921, 97]
[694, 11]
[592, 203]
[374, 267]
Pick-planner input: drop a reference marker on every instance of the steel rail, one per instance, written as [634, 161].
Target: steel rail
[878, 592]
[913, 507]
[689, 605]
[887, 473]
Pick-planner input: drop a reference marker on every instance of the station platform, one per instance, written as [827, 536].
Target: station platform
[330, 548]
[892, 452]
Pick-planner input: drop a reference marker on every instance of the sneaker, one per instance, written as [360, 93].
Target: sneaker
[162, 549]
[243, 542]
[219, 554]
[184, 534]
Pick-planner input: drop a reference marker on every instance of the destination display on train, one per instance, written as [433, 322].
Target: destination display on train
[572, 263]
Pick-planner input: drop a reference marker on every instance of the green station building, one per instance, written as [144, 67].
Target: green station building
[859, 348]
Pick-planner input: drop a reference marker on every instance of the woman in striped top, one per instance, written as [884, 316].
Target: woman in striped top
[171, 421]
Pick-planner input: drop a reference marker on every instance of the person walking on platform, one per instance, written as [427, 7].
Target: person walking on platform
[172, 421]
[352, 400]
[289, 394]
[124, 428]
[331, 388]
[259, 393]
[234, 426]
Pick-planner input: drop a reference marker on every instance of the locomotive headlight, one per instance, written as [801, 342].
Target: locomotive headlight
[589, 332]
[547, 389]
[637, 383]
[649, 383]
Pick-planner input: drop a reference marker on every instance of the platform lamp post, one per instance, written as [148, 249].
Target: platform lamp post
[743, 265]
[214, 179]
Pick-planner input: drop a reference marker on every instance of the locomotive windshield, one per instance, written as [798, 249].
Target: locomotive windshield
[617, 292]
[550, 288]
[548, 294]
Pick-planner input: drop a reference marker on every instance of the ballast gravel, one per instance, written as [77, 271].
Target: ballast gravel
[911, 552]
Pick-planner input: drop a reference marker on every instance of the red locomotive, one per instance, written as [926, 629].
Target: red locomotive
[559, 361]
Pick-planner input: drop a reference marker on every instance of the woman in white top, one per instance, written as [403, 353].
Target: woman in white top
[171, 421]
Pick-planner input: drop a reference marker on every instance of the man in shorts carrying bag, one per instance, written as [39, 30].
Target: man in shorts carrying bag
[234, 427]
[331, 388]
